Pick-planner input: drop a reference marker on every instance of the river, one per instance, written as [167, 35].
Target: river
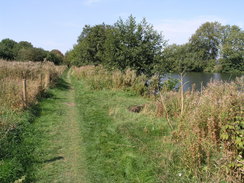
[201, 79]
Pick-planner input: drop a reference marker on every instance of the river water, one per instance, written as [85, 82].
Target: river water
[201, 79]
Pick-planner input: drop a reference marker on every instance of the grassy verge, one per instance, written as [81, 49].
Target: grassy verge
[17, 147]
[122, 146]
[18, 109]
[25, 145]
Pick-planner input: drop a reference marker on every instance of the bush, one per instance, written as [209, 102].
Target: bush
[99, 78]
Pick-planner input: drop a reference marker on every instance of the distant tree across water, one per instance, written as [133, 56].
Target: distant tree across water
[212, 48]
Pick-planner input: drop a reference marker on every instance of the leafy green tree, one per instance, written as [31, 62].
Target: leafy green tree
[133, 45]
[125, 44]
[179, 58]
[32, 54]
[72, 56]
[39, 54]
[232, 52]
[91, 42]
[77, 56]
[24, 51]
[25, 54]
[212, 47]
[55, 56]
[205, 42]
[90, 46]
[8, 49]
[24, 44]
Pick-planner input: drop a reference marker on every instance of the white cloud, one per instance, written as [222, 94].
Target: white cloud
[90, 2]
[180, 30]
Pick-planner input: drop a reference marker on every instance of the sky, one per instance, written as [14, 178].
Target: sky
[56, 24]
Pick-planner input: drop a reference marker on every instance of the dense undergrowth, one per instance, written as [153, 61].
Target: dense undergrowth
[206, 126]
[17, 113]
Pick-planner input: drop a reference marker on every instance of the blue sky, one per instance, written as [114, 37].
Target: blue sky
[56, 24]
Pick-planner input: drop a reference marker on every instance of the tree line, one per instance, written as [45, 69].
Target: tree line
[128, 44]
[25, 51]
[212, 48]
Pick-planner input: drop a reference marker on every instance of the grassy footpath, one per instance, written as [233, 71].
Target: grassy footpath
[59, 152]
[122, 146]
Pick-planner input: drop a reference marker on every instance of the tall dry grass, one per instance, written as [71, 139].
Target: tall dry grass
[210, 129]
[39, 76]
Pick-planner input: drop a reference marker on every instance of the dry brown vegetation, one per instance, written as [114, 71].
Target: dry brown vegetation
[210, 129]
[39, 76]
[207, 126]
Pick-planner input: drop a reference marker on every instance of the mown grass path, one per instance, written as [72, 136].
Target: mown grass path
[60, 149]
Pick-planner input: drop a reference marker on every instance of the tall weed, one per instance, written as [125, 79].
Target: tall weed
[210, 130]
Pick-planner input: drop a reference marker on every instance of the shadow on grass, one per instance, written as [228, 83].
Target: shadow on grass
[61, 84]
[35, 109]
[57, 158]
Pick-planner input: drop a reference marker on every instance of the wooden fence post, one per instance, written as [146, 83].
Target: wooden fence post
[47, 80]
[41, 85]
[24, 93]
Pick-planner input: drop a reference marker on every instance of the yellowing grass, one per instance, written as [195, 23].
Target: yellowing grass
[38, 76]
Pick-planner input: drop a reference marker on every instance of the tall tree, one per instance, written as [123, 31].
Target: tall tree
[133, 45]
[91, 42]
[205, 42]
[125, 44]
[55, 56]
[232, 52]
[179, 58]
[8, 49]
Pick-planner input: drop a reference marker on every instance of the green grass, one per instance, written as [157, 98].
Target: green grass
[59, 149]
[122, 146]
[16, 146]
